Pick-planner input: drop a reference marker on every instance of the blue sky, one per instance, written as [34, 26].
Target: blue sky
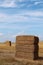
[19, 17]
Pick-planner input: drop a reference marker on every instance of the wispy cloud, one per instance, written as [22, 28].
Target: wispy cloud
[8, 3]
[18, 17]
[19, 33]
[33, 13]
[19, 3]
[38, 2]
[1, 34]
[22, 16]
[12, 18]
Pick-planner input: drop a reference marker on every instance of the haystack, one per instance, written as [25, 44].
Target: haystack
[8, 43]
[27, 47]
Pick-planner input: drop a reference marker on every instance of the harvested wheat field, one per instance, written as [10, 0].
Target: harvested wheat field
[7, 56]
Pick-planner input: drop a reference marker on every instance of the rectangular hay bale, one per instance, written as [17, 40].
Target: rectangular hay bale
[27, 47]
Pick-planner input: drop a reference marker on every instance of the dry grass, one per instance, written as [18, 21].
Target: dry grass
[41, 49]
[7, 56]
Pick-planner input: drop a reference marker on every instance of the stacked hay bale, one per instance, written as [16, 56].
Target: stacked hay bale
[8, 43]
[27, 47]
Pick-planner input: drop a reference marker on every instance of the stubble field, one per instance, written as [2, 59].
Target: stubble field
[7, 56]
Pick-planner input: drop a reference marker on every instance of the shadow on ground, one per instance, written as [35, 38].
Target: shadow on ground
[40, 58]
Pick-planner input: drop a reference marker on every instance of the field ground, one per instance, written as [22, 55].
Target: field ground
[41, 49]
[7, 56]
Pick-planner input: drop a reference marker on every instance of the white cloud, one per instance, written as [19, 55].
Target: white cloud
[37, 3]
[1, 34]
[8, 3]
[15, 3]
[22, 16]
[10, 18]
[34, 13]
[20, 0]
[19, 33]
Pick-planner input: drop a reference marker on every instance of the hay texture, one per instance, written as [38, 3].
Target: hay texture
[27, 47]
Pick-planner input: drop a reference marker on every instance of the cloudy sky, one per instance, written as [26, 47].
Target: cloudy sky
[18, 17]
